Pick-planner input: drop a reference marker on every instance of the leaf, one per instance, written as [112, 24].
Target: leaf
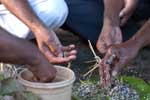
[145, 96]
[9, 86]
[30, 96]
[25, 95]
[1, 77]
[74, 98]
[139, 85]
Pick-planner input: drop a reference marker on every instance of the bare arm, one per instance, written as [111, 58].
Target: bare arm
[112, 9]
[47, 40]
[124, 53]
[22, 10]
[116, 14]
[143, 35]
[111, 32]
[19, 51]
[119, 11]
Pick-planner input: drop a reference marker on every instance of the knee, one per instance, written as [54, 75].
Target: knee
[53, 14]
[56, 16]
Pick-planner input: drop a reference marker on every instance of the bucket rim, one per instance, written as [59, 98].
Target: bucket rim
[48, 85]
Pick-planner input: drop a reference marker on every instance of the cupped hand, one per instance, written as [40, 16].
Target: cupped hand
[127, 11]
[51, 47]
[115, 59]
[110, 35]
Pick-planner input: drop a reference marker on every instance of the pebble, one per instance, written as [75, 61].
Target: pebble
[123, 92]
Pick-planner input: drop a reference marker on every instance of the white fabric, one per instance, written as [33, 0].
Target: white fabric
[52, 12]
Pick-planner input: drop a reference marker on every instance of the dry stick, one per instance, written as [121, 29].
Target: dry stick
[69, 65]
[1, 67]
[92, 61]
[98, 60]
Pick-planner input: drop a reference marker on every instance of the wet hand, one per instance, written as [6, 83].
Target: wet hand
[115, 59]
[110, 35]
[51, 47]
[42, 73]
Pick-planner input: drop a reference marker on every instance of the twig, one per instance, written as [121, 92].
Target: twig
[69, 65]
[1, 67]
[91, 47]
[91, 61]
[97, 58]
[91, 70]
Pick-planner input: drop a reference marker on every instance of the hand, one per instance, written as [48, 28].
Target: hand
[115, 59]
[42, 72]
[110, 35]
[127, 11]
[51, 47]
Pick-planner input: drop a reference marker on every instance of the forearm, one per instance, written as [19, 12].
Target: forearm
[18, 51]
[22, 10]
[142, 37]
[112, 9]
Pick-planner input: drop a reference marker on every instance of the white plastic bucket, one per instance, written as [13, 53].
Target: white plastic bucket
[61, 89]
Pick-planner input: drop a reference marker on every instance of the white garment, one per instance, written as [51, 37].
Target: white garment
[52, 12]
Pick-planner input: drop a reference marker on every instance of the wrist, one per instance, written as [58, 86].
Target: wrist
[136, 42]
[34, 61]
[38, 28]
[110, 21]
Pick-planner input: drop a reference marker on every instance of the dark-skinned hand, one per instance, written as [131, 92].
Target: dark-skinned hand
[51, 47]
[115, 59]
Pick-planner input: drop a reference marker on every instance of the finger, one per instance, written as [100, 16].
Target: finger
[126, 10]
[53, 59]
[72, 57]
[107, 76]
[104, 71]
[126, 13]
[123, 13]
[101, 69]
[101, 74]
[59, 60]
[101, 46]
[124, 20]
[55, 48]
[68, 48]
[107, 71]
[35, 79]
[47, 78]
[73, 52]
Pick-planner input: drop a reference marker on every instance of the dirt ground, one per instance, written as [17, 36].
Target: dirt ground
[140, 66]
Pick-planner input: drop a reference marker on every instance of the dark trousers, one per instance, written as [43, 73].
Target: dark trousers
[86, 19]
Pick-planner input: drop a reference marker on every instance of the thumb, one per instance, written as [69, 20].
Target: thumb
[125, 15]
[124, 12]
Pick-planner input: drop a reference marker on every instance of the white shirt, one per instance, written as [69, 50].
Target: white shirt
[52, 12]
